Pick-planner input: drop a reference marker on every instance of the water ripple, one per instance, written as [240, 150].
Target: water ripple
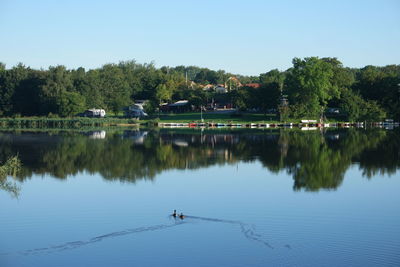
[247, 230]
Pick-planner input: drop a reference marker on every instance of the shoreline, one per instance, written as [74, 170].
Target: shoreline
[215, 123]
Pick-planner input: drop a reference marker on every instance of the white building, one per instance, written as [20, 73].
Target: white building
[94, 112]
[136, 110]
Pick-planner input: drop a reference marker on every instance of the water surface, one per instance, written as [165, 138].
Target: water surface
[252, 198]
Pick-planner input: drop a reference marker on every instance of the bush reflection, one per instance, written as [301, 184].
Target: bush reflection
[316, 160]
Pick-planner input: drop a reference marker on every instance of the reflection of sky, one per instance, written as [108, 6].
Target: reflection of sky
[355, 225]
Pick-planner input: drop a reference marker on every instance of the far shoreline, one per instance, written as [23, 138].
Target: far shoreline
[184, 120]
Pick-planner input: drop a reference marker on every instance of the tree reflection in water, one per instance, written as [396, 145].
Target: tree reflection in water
[316, 160]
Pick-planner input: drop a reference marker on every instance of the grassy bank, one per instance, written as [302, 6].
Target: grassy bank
[75, 122]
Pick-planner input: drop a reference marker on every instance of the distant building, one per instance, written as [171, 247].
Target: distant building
[135, 111]
[208, 87]
[232, 83]
[253, 85]
[101, 113]
[220, 89]
[164, 107]
[179, 106]
[192, 84]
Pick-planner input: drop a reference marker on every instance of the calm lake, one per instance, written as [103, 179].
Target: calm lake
[251, 198]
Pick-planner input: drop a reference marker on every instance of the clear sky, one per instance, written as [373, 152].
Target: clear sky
[245, 37]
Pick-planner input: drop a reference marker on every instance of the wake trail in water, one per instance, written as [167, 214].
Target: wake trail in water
[77, 244]
[246, 229]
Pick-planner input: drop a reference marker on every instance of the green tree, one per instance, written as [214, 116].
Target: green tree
[381, 84]
[163, 93]
[27, 99]
[10, 83]
[241, 99]
[70, 103]
[267, 96]
[309, 85]
[57, 82]
[114, 87]
[273, 76]
[371, 111]
[351, 104]
[91, 89]
[357, 109]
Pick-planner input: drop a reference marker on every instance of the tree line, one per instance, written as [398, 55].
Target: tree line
[311, 86]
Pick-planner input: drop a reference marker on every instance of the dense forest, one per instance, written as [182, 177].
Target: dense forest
[312, 86]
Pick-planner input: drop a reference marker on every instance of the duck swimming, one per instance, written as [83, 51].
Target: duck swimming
[174, 214]
[181, 216]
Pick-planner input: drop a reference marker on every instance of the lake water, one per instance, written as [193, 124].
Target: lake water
[252, 198]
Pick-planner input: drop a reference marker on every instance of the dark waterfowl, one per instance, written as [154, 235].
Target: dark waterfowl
[182, 216]
[174, 214]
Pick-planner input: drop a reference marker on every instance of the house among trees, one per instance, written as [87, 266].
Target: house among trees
[178, 106]
[220, 89]
[192, 85]
[252, 85]
[232, 83]
[208, 87]
[135, 111]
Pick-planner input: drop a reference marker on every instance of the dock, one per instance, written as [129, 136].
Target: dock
[303, 125]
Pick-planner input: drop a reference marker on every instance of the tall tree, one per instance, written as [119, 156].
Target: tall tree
[381, 84]
[115, 88]
[309, 85]
[163, 93]
[70, 103]
[358, 109]
[273, 76]
[58, 81]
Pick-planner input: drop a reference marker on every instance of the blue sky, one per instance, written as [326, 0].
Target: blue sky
[246, 37]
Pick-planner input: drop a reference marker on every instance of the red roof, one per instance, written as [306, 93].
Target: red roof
[254, 85]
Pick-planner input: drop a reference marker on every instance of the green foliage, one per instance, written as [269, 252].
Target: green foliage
[381, 84]
[312, 84]
[371, 111]
[357, 109]
[351, 104]
[151, 107]
[114, 87]
[309, 85]
[267, 96]
[273, 76]
[241, 99]
[70, 103]
[57, 83]
[196, 101]
[11, 167]
[163, 93]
